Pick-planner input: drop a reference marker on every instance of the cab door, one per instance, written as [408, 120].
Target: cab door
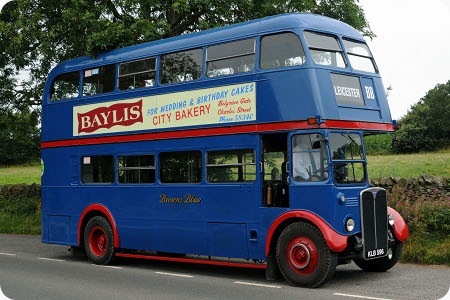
[309, 177]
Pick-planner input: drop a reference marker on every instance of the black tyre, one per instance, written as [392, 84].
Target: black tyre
[304, 257]
[381, 264]
[99, 241]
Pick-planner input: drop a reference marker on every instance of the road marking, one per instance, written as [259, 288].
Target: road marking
[175, 274]
[8, 254]
[50, 259]
[258, 284]
[359, 296]
[111, 267]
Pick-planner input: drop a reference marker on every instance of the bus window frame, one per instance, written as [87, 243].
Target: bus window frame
[337, 38]
[244, 151]
[255, 54]
[302, 44]
[79, 95]
[114, 65]
[362, 161]
[155, 70]
[118, 168]
[349, 54]
[159, 67]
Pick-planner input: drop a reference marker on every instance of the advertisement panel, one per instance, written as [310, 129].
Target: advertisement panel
[225, 104]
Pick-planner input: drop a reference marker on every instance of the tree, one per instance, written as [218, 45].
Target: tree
[35, 35]
[19, 138]
[426, 126]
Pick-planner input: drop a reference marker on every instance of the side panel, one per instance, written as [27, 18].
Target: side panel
[214, 224]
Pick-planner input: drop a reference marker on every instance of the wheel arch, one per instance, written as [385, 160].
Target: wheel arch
[94, 210]
[335, 241]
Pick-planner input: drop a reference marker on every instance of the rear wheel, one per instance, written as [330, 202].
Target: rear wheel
[304, 257]
[99, 241]
[381, 264]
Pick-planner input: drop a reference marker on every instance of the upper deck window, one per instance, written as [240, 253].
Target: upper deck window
[65, 86]
[325, 49]
[360, 56]
[137, 74]
[99, 80]
[281, 50]
[181, 66]
[230, 58]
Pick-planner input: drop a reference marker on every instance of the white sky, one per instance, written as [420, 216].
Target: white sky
[412, 47]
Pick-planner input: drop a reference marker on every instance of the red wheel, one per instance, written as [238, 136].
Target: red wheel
[98, 241]
[304, 257]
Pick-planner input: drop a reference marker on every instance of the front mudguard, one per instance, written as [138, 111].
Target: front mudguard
[401, 231]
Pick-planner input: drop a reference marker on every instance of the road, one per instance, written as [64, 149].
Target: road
[32, 270]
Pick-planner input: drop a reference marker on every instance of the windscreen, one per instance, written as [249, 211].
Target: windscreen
[347, 156]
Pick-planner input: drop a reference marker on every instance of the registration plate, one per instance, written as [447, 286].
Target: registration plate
[370, 254]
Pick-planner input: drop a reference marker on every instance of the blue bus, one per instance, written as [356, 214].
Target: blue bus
[242, 142]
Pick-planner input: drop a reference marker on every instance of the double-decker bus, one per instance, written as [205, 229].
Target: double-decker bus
[242, 142]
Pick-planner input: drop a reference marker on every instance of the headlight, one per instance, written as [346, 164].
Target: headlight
[391, 220]
[350, 224]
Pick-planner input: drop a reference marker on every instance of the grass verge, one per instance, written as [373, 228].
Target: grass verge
[20, 224]
[409, 165]
[429, 250]
[27, 174]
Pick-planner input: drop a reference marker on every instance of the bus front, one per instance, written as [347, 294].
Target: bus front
[328, 179]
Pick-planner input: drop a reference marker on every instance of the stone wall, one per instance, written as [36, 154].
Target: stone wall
[423, 185]
[20, 191]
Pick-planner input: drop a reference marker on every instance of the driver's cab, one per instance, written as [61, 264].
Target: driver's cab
[311, 159]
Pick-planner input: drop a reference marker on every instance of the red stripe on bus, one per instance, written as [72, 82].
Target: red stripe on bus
[195, 261]
[225, 130]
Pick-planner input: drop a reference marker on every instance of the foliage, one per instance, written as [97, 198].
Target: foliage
[37, 34]
[379, 144]
[19, 138]
[426, 125]
[414, 138]
[428, 220]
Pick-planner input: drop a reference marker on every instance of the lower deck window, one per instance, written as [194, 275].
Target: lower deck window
[231, 166]
[97, 169]
[180, 167]
[136, 169]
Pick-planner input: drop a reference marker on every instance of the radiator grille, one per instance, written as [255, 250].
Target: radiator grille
[374, 222]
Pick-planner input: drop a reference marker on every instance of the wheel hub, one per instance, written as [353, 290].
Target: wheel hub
[98, 241]
[302, 255]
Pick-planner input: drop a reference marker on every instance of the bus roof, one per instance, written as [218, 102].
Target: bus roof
[216, 35]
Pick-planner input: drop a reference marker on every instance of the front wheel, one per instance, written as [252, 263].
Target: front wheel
[99, 241]
[381, 264]
[304, 257]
